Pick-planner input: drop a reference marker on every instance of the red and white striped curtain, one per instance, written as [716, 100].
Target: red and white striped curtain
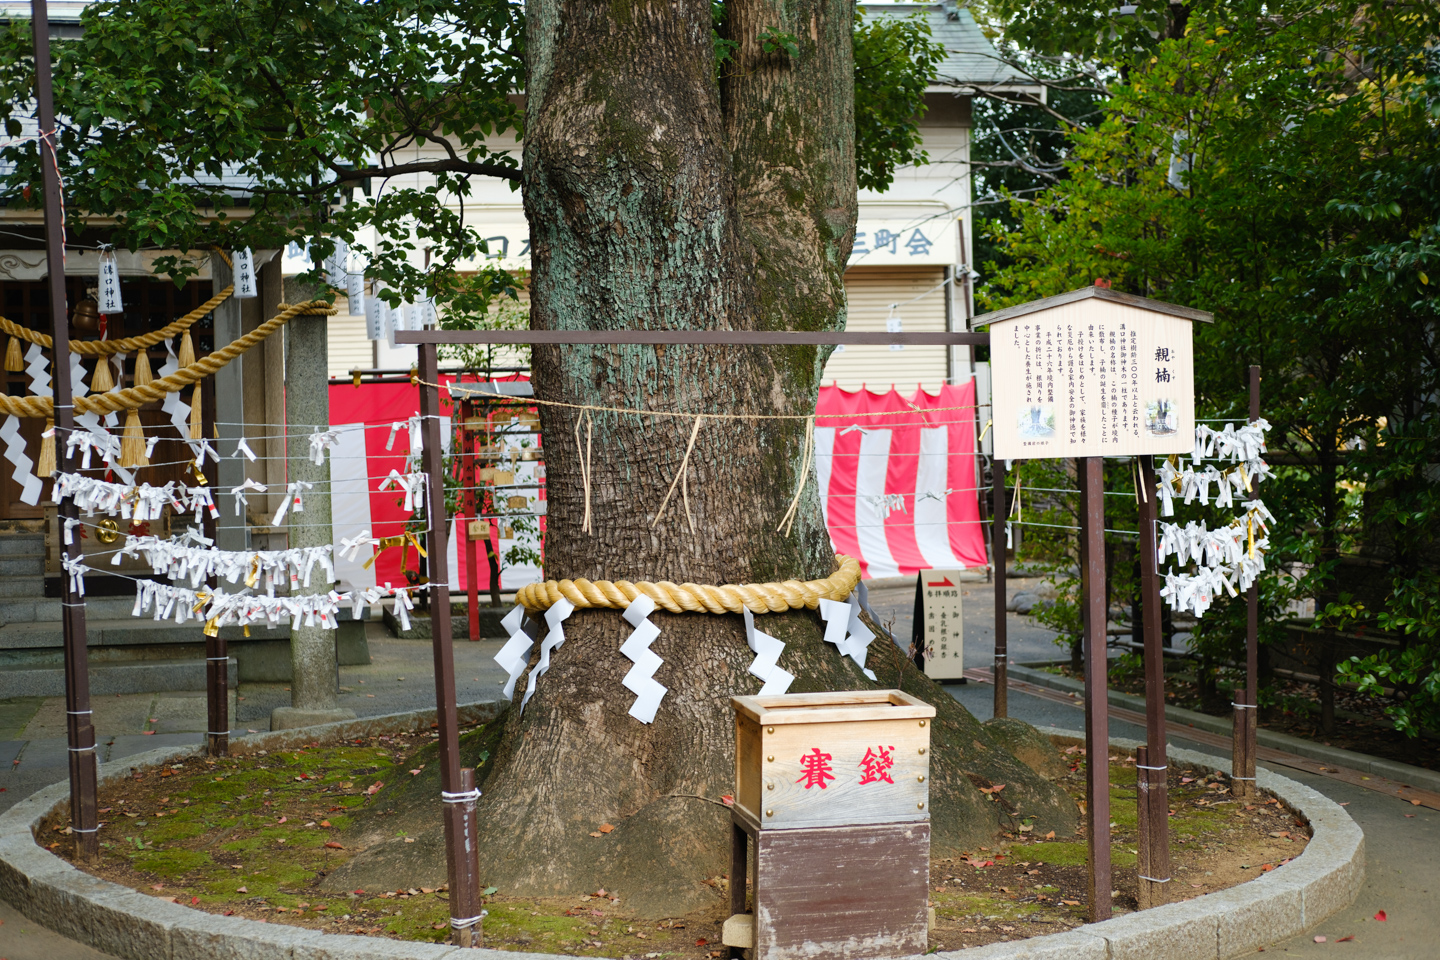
[897, 478]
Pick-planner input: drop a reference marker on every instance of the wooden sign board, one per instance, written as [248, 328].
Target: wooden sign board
[832, 759]
[943, 630]
[1092, 373]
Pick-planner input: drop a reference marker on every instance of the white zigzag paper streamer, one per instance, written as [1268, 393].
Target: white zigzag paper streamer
[38, 366]
[516, 653]
[554, 639]
[30, 485]
[767, 649]
[844, 629]
[641, 678]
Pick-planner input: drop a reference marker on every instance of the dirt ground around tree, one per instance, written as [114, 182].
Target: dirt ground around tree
[254, 837]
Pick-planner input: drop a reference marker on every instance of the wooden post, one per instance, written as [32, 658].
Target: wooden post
[217, 656]
[1151, 775]
[460, 839]
[1245, 725]
[997, 547]
[79, 726]
[1091, 473]
[739, 870]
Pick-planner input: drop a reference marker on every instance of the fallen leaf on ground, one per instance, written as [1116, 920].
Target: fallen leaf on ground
[1415, 803]
[334, 846]
[242, 889]
[414, 773]
[325, 824]
[1381, 916]
[374, 788]
[1050, 835]
[1319, 939]
[1346, 939]
[606, 827]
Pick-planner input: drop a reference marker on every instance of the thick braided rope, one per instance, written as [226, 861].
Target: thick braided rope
[107, 348]
[132, 397]
[695, 597]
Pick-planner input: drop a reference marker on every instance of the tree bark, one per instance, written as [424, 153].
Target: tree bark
[661, 198]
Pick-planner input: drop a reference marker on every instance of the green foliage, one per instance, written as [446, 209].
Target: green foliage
[1275, 164]
[895, 60]
[253, 123]
[1411, 674]
[773, 41]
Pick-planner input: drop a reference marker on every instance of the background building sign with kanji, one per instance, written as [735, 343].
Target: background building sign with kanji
[1093, 373]
[940, 612]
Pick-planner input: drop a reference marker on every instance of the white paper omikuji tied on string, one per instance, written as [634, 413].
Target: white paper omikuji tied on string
[641, 678]
[108, 283]
[776, 679]
[426, 309]
[554, 639]
[516, 653]
[355, 295]
[244, 266]
[335, 265]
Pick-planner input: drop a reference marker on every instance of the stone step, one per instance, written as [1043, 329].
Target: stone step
[23, 586]
[26, 543]
[106, 679]
[46, 609]
[22, 564]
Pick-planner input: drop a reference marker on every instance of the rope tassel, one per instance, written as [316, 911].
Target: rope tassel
[101, 381]
[132, 442]
[14, 359]
[197, 431]
[142, 368]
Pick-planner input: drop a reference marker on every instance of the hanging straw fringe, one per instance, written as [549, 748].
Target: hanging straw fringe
[14, 359]
[46, 466]
[684, 467]
[132, 442]
[589, 418]
[187, 350]
[197, 432]
[142, 368]
[102, 382]
[788, 521]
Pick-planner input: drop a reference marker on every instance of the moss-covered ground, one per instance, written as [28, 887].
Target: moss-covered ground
[253, 837]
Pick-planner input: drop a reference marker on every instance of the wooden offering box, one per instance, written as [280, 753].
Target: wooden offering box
[832, 759]
[833, 790]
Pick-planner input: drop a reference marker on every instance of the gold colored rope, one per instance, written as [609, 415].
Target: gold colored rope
[695, 597]
[107, 348]
[132, 397]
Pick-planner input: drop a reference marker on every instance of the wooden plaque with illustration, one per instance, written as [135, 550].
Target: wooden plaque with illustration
[1092, 373]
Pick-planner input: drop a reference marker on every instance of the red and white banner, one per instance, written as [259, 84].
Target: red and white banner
[897, 478]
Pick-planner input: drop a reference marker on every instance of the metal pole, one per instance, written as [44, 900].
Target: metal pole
[1242, 766]
[1091, 474]
[217, 679]
[460, 841]
[79, 726]
[1152, 783]
[997, 547]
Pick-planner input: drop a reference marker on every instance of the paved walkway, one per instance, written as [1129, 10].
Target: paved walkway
[1401, 840]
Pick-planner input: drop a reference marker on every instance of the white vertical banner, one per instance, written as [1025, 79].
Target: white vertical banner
[355, 295]
[244, 267]
[374, 318]
[109, 284]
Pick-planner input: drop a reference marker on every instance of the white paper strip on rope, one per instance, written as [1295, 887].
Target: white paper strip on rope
[844, 629]
[108, 283]
[554, 639]
[775, 679]
[374, 319]
[641, 678]
[24, 467]
[516, 653]
[192, 557]
[244, 267]
[37, 365]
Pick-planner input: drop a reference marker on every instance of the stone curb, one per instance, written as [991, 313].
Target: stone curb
[1393, 770]
[132, 926]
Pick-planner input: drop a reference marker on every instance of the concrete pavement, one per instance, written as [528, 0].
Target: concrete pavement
[1400, 839]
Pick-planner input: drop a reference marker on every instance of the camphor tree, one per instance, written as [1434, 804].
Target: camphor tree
[682, 170]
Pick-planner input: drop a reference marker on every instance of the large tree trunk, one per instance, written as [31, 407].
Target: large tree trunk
[661, 199]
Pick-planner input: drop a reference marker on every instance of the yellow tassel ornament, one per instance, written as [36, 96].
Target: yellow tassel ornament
[102, 382]
[196, 432]
[46, 466]
[142, 368]
[14, 359]
[132, 442]
[187, 350]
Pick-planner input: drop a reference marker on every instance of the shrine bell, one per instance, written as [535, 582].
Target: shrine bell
[833, 789]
